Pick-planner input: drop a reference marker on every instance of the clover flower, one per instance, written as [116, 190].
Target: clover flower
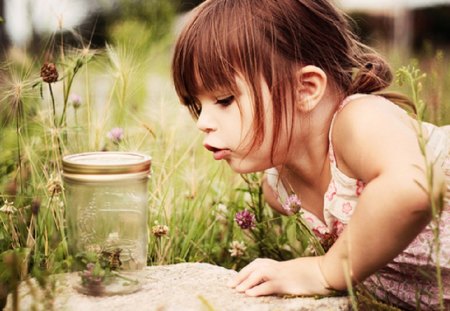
[292, 204]
[160, 230]
[237, 249]
[8, 208]
[245, 219]
[116, 135]
[92, 280]
[49, 73]
[75, 100]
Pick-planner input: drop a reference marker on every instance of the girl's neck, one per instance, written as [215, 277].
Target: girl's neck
[307, 169]
[308, 156]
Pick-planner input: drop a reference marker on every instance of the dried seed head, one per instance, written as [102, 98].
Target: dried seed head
[49, 73]
[54, 186]
[160, 230]
[35, 206]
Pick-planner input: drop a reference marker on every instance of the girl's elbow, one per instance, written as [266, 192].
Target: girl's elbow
[420, 197]
[430, 194]
[423, 205]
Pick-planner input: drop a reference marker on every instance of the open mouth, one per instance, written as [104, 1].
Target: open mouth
[212, 149]
[218, 153]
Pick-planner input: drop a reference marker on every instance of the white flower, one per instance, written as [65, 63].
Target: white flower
[221, 212]
[237, 249]
[112, 238]
[222, 208]
[8, 208]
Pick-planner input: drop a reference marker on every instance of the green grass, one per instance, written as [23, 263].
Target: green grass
[194, 196]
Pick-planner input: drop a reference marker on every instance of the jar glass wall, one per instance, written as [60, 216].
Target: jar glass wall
[107, 210]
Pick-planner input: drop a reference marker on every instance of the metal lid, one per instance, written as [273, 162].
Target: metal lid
[109, 162]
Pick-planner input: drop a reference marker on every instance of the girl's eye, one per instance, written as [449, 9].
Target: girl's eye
[226, 101]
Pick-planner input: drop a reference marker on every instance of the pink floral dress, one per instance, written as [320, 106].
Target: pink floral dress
[409, 281]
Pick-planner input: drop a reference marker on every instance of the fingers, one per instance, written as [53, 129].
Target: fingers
[263, 289]
[299, 276]
[254, 279]
[241, 276]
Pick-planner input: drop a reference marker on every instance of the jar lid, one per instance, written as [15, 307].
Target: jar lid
[108, 162]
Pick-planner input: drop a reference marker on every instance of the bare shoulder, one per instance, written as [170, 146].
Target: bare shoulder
[369, 108]
[371, 133]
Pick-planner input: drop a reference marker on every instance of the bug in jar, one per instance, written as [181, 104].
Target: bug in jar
[111, 259]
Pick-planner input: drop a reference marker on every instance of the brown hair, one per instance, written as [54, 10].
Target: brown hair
[269, 39]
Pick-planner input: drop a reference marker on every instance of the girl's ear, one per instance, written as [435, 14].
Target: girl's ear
[311, 83]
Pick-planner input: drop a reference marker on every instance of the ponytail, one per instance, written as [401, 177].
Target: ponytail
[373, 76]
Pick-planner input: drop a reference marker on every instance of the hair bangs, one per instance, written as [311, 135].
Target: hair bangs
[210, 52]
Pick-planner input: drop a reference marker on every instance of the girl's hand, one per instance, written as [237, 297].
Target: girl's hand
[300, 276]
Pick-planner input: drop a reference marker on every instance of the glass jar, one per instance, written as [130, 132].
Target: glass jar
[106, 195]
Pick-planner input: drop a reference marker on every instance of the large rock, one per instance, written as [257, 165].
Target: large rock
[187, 286]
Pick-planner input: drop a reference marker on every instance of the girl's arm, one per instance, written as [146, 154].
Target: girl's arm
[376, 142]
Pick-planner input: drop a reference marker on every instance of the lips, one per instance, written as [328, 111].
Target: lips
[218, 153]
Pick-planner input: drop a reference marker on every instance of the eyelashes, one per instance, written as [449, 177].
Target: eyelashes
[195, 106]
[226, 101]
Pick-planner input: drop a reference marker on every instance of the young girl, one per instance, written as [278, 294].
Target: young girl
[285, 86]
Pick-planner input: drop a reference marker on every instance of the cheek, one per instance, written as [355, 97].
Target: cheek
[244, 128]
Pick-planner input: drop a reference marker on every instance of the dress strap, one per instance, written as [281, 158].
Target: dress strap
[346, 100]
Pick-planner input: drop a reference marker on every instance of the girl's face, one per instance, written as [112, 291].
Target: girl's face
[229, 128]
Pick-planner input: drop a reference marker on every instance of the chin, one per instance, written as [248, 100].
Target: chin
[246, 168]
[243, 171]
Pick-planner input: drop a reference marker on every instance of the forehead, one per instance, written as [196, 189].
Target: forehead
[212, 49]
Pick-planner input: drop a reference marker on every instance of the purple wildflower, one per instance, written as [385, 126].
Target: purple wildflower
[245, 219]
[116, 135]
[91, 281]
[292, 204]
[75, 100]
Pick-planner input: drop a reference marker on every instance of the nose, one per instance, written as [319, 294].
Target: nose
[205, 122]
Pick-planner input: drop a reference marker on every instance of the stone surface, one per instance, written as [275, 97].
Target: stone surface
[187, 286]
